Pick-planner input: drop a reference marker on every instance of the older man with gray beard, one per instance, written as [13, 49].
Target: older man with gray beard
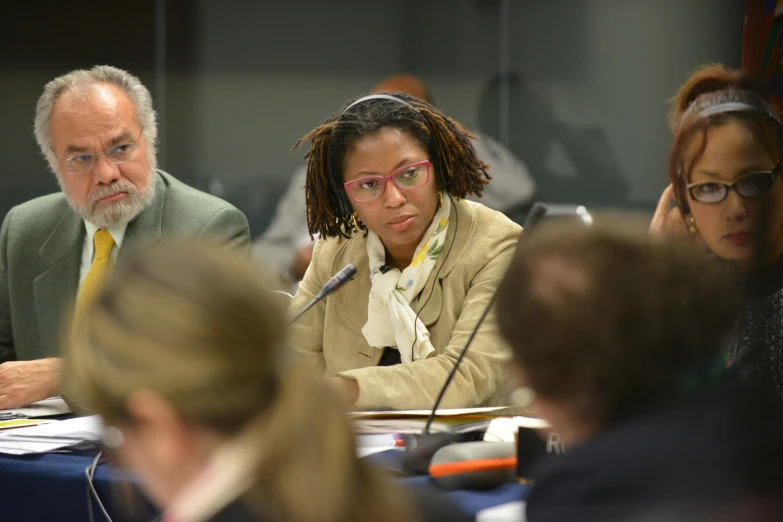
[97, 130]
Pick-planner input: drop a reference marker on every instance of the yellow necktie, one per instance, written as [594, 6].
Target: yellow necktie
[99, 270]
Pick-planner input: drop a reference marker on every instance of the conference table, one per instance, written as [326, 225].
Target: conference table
[53, 487]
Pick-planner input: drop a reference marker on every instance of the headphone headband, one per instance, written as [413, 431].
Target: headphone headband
[745, 101]
[736, 107]
[378, 97]
[340, 198]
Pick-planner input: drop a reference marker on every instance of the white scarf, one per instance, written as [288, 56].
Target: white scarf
[390, 319]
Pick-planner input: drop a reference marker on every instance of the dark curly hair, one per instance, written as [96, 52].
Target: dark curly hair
[458, 169]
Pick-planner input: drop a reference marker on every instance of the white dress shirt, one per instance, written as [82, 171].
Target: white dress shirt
[88, 249]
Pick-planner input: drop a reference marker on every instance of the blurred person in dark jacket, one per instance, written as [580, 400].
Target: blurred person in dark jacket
[620, 337]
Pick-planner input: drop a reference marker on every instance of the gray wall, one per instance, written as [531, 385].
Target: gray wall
[587, 90]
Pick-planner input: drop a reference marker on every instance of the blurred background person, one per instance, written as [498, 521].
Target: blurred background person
[724, 171]
[386, 180]
[183, 354]
[286, 243]
[619, 335]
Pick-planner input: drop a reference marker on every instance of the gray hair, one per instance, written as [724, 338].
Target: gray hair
[78, 81]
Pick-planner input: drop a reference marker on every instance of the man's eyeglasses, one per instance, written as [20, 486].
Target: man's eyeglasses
[748, 186]
[83, 163]
[407, 177]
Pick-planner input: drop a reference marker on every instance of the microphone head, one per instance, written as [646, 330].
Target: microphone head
[534, 216]
[347, 273]
[337, 281]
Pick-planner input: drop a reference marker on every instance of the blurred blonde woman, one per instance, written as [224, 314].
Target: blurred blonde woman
[183, 355]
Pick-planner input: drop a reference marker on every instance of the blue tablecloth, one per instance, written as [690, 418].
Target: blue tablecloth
[53, 487]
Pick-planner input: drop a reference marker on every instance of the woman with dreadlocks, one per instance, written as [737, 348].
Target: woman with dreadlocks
[386, 180]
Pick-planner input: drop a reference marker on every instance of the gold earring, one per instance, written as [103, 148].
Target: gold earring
[440, 200]
[692, 225]
[355, 222]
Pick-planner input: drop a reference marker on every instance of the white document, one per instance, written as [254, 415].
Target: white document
[45, 408]
[369, 444]
[511, 512]
[456, 420]
[68, 434]
[425, 413]
[504, 429]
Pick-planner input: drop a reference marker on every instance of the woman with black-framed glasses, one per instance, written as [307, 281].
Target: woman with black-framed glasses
[724, 169]
[386, 180]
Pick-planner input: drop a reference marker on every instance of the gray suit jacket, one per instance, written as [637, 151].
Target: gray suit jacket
[41, 247]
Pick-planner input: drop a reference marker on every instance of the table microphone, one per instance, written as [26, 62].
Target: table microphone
[420, 447]
[332, 285]
[537, 212]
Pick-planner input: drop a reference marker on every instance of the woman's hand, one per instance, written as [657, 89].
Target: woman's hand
[347, 389]
[667, 220]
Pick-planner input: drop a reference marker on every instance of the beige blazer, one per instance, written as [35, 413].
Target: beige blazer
[330, 334]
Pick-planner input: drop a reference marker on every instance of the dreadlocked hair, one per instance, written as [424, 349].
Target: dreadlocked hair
[458, 170]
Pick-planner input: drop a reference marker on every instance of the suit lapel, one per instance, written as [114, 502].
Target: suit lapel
[54, 289]
[351, 301]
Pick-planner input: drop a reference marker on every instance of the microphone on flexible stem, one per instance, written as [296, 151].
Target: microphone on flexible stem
[433, 413]
[332, 285]
[419, 448]
[535, 214]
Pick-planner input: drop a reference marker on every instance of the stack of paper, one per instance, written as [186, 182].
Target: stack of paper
[72, 434]
[413, 421]
[13, 423]
[45, 408]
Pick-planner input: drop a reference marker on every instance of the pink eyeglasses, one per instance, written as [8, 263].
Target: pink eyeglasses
[407, 177]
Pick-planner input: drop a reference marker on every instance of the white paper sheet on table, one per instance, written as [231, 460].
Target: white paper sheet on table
[447, 412]
[455, 420]
[511, 512]
[68, 434]
[45, 408]
[504, 429]
[369, 444]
